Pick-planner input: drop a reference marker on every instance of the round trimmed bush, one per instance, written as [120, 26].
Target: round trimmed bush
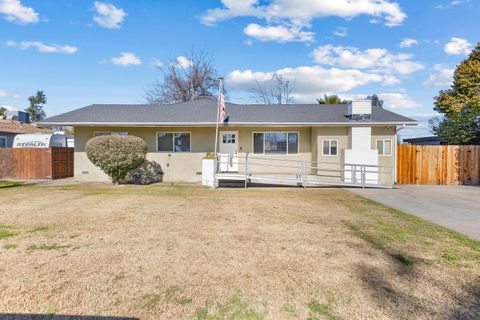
[117, 155]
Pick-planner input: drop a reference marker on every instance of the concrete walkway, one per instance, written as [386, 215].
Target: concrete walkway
[454, 207]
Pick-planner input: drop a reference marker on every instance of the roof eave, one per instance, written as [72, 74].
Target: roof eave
[212, 124]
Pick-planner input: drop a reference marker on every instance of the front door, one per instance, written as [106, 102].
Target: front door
[228, 151]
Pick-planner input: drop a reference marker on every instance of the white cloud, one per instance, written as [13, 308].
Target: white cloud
[183, 62]
[15, 11]
[41, 47]
[457, 46]
[9, 108]
[5, 93]
[397, 100]
[452, 4]
[297, 15]
[126, 59]
[108, 16]
[380, 60]
[308, 81]
[392, 100]
[408, 42]
[340, 32]
[278, 33]
[443, 77]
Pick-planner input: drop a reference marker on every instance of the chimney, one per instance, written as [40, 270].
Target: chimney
[360, 108]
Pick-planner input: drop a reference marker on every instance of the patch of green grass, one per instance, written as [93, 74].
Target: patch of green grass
[171, 292]
[46, 247]
[50, 312]
[290, 289]
[6, 234]
[201, 314]
[39, 229]
[406, 238]
[184, 301]
[151, 300]
[388, 290]
[449, 257]
[404, 259]
[9, 246]
[8, 184]
[319, 309]
[233, 309]
[288, 308]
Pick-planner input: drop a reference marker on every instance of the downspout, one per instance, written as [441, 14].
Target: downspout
[395, 158]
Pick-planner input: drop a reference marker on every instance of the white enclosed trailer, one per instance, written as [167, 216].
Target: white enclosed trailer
[40, 140]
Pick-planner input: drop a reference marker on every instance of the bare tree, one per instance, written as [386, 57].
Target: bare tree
[276, 91]
[184, 79]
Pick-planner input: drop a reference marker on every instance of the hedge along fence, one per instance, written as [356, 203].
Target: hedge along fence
[36, 163]
[441, 165]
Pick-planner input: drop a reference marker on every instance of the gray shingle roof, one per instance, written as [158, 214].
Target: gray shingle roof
[203, 112]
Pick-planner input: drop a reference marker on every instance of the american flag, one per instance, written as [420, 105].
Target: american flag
[222, 108]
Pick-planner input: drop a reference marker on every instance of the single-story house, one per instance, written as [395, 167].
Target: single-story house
[180, 135]
[10, 128]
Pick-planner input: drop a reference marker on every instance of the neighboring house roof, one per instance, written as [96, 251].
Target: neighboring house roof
[204, 110]
[13, 126]
[424, 140]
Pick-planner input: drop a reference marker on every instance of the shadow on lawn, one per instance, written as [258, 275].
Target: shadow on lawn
[380, 284]
[13, 316]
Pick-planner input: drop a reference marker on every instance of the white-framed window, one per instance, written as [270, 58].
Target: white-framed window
[3, 142]
[330, 147]
[275, 143]
[173, 142]
[106, 133]
[384, 147]
[228, 138]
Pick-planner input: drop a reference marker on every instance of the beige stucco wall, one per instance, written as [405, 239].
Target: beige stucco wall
[388, 162]
[186, 167]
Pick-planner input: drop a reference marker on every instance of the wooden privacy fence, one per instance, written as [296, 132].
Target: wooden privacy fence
[442, 165]
[31, 163]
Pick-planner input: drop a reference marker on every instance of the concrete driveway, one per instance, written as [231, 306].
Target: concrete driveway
[454, 207]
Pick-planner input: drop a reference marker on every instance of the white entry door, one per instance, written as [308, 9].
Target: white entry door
[228, 151]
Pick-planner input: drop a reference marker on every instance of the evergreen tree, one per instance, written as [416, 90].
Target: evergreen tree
[37, 103]
[460, 105]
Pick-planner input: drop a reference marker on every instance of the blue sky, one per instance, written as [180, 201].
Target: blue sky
[82, 52]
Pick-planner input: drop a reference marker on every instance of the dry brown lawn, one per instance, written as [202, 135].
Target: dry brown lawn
[186, 252]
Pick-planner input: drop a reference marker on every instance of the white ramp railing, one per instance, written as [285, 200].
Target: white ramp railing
[254, 168]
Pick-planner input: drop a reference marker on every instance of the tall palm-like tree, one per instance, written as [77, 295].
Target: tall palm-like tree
[333, 99]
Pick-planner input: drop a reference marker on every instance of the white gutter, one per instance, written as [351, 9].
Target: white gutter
[211, 124]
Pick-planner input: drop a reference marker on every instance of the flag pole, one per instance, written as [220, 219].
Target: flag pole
[218, 114]
[216, 133]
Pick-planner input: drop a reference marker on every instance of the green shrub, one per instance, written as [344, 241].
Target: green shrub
[149, 172]
[117, 155]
